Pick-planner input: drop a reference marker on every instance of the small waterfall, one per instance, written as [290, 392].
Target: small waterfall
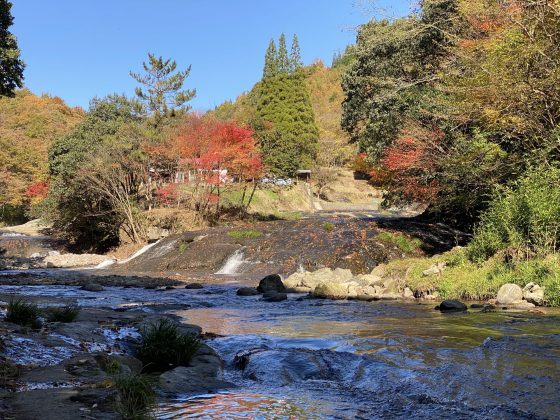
[139, 252]
[233, 263]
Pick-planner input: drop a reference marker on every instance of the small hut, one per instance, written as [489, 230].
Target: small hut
[303, 175]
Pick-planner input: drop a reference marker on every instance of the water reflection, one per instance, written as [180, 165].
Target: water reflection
[236, 405]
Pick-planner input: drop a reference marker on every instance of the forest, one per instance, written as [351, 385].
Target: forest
[455, 106]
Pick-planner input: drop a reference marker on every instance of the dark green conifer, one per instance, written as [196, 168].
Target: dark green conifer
[295, 56]
[270, 61]
[11, 65]
[283, 58]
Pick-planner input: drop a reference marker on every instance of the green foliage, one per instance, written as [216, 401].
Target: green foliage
[63, 314]
[136, 396]
[271, 61]
[404, 243]
[295, 55]
[244, 234]
[108, 138]
[23, 313]
[291, 142]
[524, 218]
[162, 87]
[328, 226]
[163, 346]
[11, 65]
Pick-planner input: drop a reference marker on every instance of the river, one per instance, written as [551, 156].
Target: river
[306, 358]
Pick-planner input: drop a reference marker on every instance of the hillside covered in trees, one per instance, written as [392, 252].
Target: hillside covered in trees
[29, 125]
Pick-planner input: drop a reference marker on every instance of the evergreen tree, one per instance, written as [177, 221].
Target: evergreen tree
[163, 94]
[295, 56]
[11, 65]
[291, 143]
[271, 61]
[283, 58]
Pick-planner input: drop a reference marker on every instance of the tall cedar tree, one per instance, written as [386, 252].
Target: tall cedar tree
[271, 61]
[291, 142]
[295, 56]
[163, 93]
[283, 58]
[11, 65]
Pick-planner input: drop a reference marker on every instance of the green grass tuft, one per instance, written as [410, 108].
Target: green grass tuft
[328, 226]
[63, 314]
[23, 313]
[245, 234]
[136, 398]
[164, 346]
[404, 243]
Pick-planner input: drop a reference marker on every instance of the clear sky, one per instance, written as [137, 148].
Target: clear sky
[79, 49]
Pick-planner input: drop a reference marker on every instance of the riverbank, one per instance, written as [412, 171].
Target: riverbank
[89, 366]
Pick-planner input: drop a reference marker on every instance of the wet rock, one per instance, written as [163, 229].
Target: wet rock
[204, 374]
[452, 306]
[92, 287]
[103, 397]
[488, 308]
[247, 291]
[272, 283]
[169, 288]
[194, 286]
[477, 306]
[273, 296]
[534, 294]
[509, 294]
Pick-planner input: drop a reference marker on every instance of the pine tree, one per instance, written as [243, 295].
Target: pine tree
[295, 56]
[11, 65]
[283, 58]
[271, 61]
[163, 94]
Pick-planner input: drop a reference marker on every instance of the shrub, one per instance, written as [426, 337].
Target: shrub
[63, 314]
[328, 226]
[23, 313]
[240, 234]
[401, 241]
[163, 346]
[136, 396]
[524, 218]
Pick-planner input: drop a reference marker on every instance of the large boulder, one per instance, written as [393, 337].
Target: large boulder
[272, 283]
[509, 294]
[330, 290]
[452, 306]
[534, 294]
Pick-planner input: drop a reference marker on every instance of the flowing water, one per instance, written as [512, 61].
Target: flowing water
[312, 359]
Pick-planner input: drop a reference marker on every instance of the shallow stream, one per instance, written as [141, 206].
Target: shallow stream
[307, 358]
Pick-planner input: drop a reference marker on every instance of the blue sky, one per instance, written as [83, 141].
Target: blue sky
[79, 49]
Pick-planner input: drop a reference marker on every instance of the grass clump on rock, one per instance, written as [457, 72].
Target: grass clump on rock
[163, 346]
[63, 314]
[245, 234]
[136, 398]
[23, 313]
[401, 241]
